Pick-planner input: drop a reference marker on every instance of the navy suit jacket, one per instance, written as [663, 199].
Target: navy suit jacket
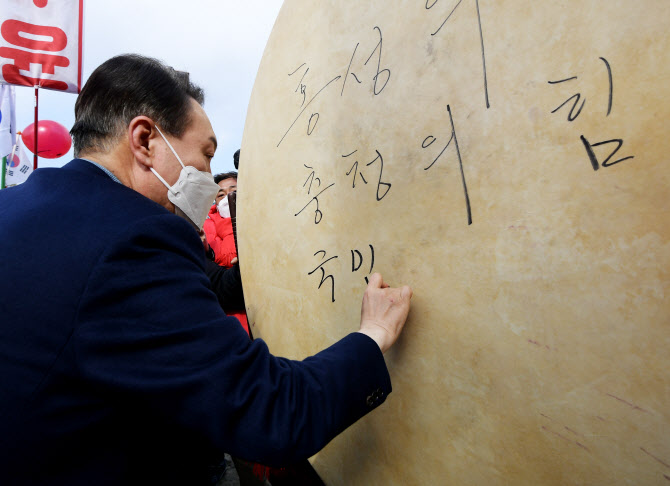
[117, 364]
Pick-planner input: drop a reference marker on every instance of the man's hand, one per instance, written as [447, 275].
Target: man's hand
[384, 311]
[203, 238]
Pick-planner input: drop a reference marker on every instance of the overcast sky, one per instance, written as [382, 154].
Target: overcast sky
[220, 42]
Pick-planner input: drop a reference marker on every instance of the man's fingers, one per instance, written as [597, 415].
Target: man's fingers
[376, 282]
[384, 311]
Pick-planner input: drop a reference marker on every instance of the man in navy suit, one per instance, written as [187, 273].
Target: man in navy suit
[117, 364]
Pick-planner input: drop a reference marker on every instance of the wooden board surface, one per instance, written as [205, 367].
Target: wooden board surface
[509, 161]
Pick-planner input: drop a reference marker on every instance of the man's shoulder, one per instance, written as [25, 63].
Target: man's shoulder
[90, 179]
[81, 186]
[81, 199]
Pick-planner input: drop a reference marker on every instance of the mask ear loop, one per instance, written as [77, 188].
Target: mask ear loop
[170, 145]
[162, 180]
[175, 154]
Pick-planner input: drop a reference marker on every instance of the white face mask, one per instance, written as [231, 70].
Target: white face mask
[224, 209]
[192, 193]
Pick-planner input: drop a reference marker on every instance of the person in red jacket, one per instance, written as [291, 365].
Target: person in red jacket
[218, 229]
[218, 225]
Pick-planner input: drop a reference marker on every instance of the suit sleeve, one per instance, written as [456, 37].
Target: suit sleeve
[227, 285]
[151, 334]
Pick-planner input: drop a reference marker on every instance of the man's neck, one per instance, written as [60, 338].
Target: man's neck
[111, 162]
[120, 162]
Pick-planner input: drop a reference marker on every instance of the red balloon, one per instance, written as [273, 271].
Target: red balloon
[53, 139]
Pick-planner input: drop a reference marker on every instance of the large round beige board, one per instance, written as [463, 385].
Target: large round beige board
[509, 160]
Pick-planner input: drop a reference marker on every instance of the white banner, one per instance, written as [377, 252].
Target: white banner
[7, 119]
[41, 43]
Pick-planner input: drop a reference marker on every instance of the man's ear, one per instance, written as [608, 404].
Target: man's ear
[141, 134]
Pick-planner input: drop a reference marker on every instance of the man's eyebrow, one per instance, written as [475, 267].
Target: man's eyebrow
[213, 139]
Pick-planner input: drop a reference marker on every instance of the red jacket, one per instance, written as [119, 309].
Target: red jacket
[219, 233]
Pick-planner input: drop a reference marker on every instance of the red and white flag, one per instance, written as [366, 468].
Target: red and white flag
[41, 43]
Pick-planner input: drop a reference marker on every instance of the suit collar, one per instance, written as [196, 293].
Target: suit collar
[86, 167]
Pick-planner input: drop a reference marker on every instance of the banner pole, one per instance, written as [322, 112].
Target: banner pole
[37, 104]
[4, 169]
